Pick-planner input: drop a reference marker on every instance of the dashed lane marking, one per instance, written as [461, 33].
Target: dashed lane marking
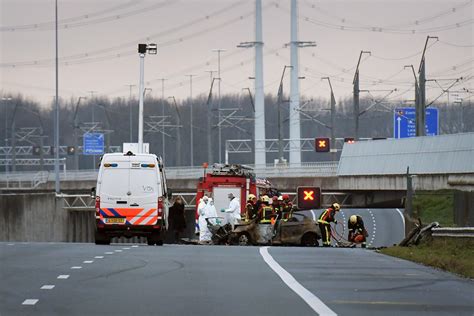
[134, 246]
[109, 253]
[76, 268]
[118, 250]
[10, 244]
[63, 276]
[30, 301]
[99, 257]
[47, 287]
[374, 228]
[88, 261]
[126, 248]
[312, 300]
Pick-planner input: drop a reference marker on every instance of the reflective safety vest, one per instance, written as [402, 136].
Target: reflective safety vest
[327, 216]
[266, 214]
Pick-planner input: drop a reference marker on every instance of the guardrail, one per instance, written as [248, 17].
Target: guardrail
[456, 232]
[313, 169]
[21, 181]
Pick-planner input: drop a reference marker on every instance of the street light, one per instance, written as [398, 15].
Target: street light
[6, 125]
[191, 127]
[279, 99]
[219, 51]
[142, 50]
[178, 132]
[333, 117]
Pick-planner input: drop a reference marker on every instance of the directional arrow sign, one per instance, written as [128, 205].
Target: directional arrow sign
[93, 144]
[404, 122]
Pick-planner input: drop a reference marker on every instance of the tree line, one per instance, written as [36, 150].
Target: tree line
[113, 116]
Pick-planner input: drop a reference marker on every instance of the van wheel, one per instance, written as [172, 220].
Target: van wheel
[101, 239]
[150, 242]
[309, 240]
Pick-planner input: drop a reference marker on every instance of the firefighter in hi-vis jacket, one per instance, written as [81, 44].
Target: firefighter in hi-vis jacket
[324, 221]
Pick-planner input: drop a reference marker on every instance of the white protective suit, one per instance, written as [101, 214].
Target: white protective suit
[211, 212]
[233, 212]
[204, 233]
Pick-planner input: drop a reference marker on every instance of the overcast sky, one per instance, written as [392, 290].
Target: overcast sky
[98, 41]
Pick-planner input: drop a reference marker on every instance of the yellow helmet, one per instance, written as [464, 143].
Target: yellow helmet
[353, 219]
[336, 206]
[265, 198]
[251, 197]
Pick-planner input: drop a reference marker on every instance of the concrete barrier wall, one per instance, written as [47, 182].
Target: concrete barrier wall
[32, 217]
[41, 217]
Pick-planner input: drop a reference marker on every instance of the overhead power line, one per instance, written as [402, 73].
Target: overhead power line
[114, 51]
[435, 17]
[69, 23]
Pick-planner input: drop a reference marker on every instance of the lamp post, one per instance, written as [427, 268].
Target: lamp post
[178, 132]
[191, 118]
[142, 50]
[219, 51]
[356, 91]
[280, 101]
[333, 118]
[6, 125]
[76, 136]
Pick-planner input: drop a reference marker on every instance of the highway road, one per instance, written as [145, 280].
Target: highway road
[127, 279]
[386, 227]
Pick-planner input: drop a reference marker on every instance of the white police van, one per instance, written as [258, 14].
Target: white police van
[131, 198]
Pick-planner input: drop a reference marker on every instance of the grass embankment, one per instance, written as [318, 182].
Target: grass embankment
[434, 207]
[450, 254]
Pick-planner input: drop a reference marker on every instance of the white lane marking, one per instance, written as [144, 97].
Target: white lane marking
[312, 300]
[403, 217]
[118, 250]
[76, 268]
[30, 301]
[63, 276]
[126, 248]
[374, 228]
[47, 287]
[88, 261]
[109, 253]
[134, 246]
[10, 244]
[99, 257]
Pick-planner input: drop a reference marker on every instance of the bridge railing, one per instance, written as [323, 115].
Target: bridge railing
[313, 169]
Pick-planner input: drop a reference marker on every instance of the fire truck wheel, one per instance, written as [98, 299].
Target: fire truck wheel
[309, 240]
[244, 239]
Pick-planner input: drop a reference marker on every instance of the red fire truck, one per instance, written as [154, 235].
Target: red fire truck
[236, 179]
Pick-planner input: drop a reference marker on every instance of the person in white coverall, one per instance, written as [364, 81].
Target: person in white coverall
[211, 211]
[233, 212]
[204, 233]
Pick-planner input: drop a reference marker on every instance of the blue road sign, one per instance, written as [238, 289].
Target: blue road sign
[93, 144]
[404, 122]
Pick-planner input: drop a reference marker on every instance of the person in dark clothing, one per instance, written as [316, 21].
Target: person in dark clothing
[251, 210]
[357, 231]
[324, 222]
[177, 219]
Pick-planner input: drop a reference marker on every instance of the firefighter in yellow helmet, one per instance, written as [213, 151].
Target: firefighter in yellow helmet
[266, 211]
[324, 221]
[251, 207]
[357, 231]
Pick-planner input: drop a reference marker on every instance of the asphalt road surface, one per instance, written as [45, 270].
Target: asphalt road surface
[126, 279]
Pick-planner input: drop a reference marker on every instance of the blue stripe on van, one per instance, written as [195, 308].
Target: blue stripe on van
[114, 212]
